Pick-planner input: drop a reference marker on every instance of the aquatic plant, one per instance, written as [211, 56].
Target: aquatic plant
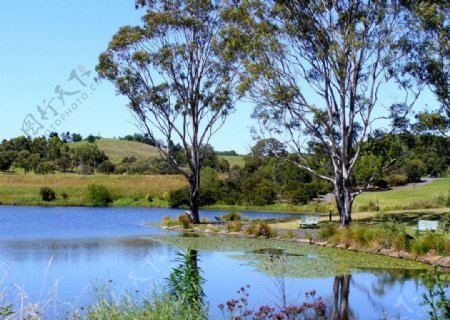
[185, 281]
[435, 297]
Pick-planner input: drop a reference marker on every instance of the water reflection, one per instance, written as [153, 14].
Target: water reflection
[341, 291]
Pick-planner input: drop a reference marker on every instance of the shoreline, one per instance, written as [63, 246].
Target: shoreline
[442, 262]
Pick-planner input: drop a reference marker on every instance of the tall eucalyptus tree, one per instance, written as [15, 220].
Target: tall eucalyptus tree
[179, 88]
[315, 70]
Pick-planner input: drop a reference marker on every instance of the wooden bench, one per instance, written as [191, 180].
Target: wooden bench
[218, 221]
[427, 225]
[309, 220]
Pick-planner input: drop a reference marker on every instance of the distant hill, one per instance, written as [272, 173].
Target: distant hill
[117, 149]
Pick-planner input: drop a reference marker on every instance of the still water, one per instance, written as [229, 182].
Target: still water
[63, 254]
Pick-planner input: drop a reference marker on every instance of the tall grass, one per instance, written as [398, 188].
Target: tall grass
[24, 189]
[159, 306]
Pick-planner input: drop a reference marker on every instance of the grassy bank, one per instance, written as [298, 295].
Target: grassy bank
[130, 191]
[133, 191]
[431, 195]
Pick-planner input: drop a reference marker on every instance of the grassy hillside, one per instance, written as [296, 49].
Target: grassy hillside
[234, 160]
[421, 196]
[24, 189]
[116, 149]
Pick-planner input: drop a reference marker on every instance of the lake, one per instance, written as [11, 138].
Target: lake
[60, 255]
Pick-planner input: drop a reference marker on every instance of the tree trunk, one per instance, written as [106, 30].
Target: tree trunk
[194, 202]
[344, 202]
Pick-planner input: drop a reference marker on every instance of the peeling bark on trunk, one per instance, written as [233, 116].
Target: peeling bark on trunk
[344, 201]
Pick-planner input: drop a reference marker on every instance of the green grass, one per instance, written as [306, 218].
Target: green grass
[129, 191]
[420, 197]
[235, 160]
[116, 149]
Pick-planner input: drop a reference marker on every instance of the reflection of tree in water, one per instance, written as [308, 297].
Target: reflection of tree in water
[341, 291]
[385, 280]
[388, 279]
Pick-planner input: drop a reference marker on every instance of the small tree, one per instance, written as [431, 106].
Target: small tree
[178, 86]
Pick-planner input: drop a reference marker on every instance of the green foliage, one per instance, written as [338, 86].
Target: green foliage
[367, 169]
[327, 232]
[185, 281]
[5, 311]
[231, 216]
[47, 194]
[179, 198]
[233, 226]
[287, 235]
[261, 229]
[395, 180]
[430, 242]
[436, 296]
[445, 222]
[169, 222]
[98, 195]
[184, 222]
[414, 170]
[135, 306]
[106, 167]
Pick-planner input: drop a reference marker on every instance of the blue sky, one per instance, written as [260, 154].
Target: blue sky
[43, 42]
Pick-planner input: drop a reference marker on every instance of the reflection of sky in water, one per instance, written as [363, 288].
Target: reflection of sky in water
[87, 246]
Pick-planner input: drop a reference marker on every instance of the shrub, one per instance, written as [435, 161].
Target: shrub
[169, 222]
[231, 216]
[47, 194]
[445, 223]
[395, 180]
[184, 221]
[261, 229]
[287, 235]
[65, 195]
[99, 195]
[430, 242]
[327, 232]
[179, 198]
[234, 226]
[401, 242]
[106, 167]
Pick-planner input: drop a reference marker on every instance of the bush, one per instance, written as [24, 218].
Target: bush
[234, 226]
[106, 167]
[47, 194]
[261, 229]
[395, 180]
[184, 221]
[287, 235]
[231, 216]
[99, 195]
[169, 222]
[430, 242]
[179, 198]
[327, 232]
